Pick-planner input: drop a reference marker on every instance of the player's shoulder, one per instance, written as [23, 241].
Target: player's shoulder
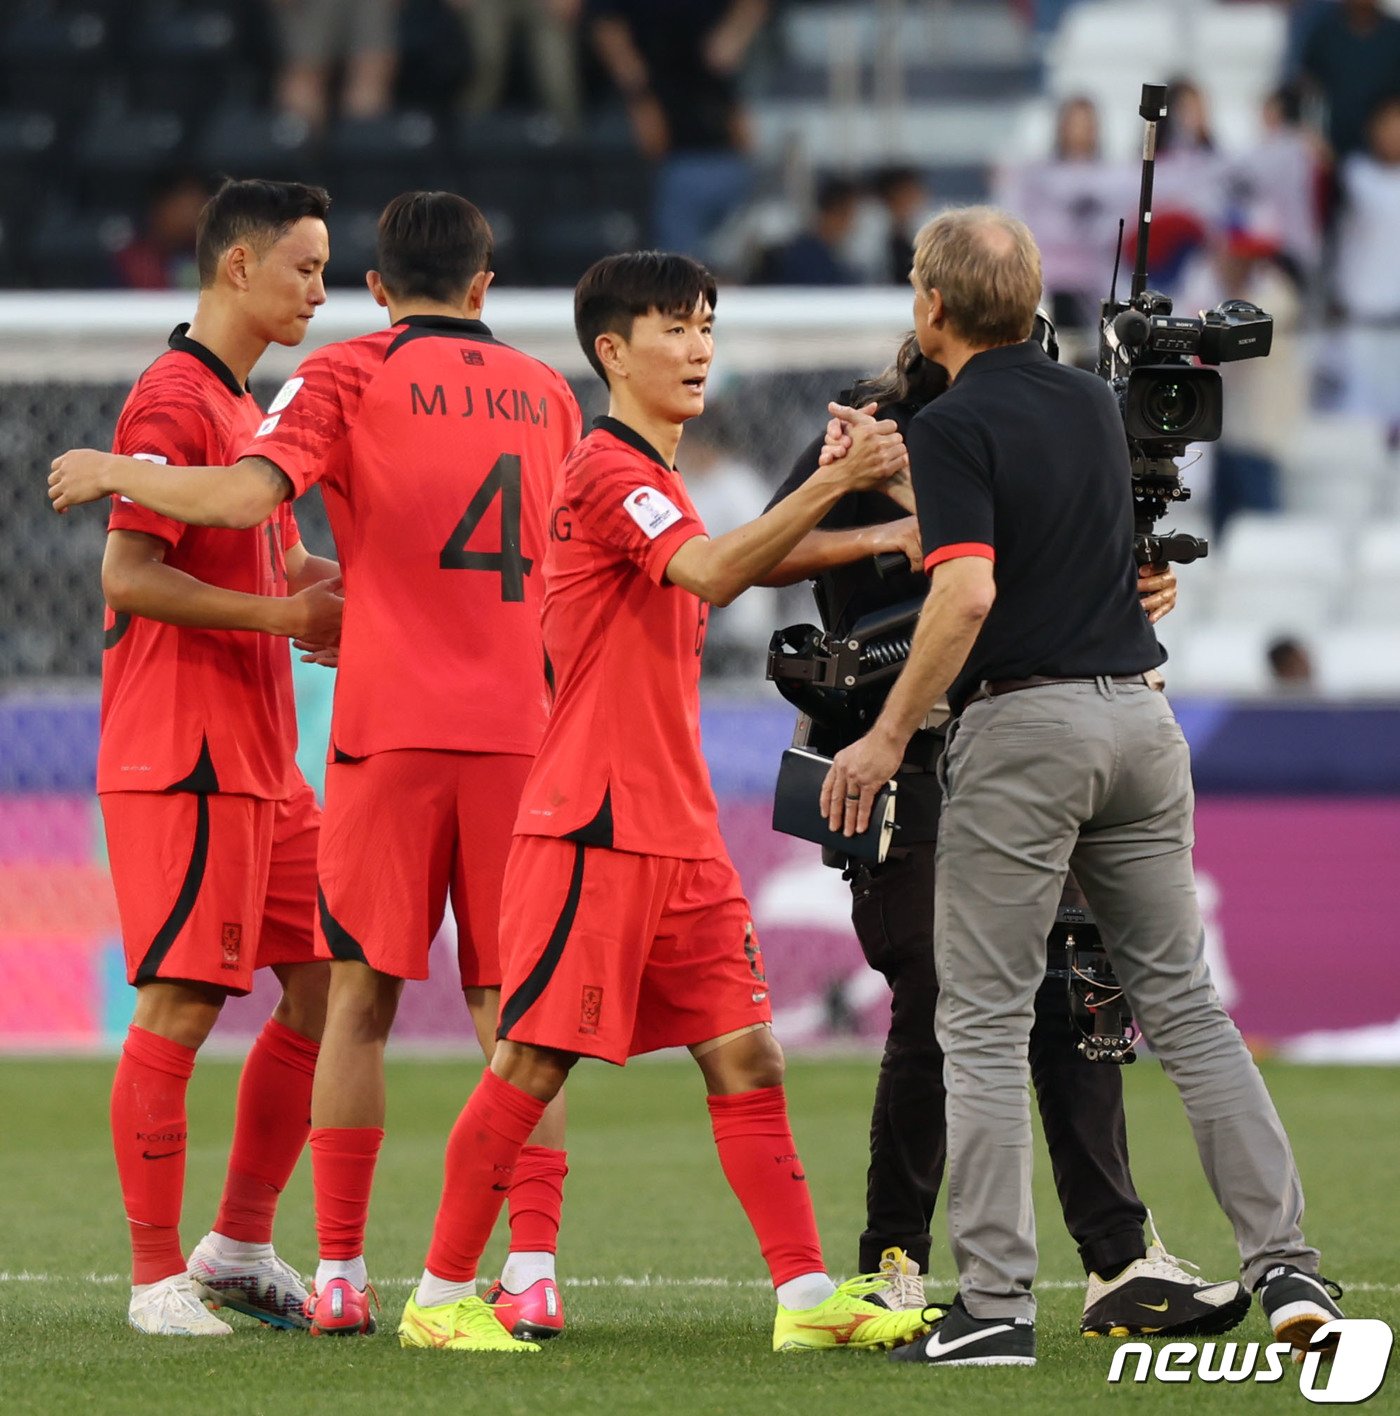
[348, 358]
[600, 454]
[174, 377]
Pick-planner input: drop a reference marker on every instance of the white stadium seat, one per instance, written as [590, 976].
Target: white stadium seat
[1337, 463]
[1224, 658]
[1283, 572]
[1360, 661]
[1375, 588]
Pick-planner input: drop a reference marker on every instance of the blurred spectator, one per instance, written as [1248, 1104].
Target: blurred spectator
[1191, 170]
[161, 256]
[1264, 398]
[550, 27]
[817, 256]
[1073, 204]
[1277, 185]
[677, 66]
[1352, 58]
[319, 39]
[1290, 665]
[1368, 271]
[904, 195]
[727, 492]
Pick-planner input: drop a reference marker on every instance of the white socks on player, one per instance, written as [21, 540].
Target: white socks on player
[805, 1291]
[353, 1271]
[524, 1268]
[234, 1251]
[433, 1291]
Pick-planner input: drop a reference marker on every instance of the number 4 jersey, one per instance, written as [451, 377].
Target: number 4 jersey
[436, 448]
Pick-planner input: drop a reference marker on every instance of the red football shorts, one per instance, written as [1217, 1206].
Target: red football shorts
[211, 886]
[402, 828]
[611, 954]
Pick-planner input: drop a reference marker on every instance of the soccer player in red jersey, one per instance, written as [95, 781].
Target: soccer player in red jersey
[436, 448]
[627, 927]
[211, 829]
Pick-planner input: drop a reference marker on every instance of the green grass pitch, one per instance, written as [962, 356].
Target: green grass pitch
[668, 1309]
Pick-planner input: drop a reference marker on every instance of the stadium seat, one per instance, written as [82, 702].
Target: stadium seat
[373, 159]
[1238, 49]
[562, 247]
[1336, 463]
[52, 61]
[119, 153]
[184, 56]
[1375, 590]
[1360, 661]
[69, 250]
[1227, 657]
[1285, 572]
[353, 233]
[27, 149]
[239, 139]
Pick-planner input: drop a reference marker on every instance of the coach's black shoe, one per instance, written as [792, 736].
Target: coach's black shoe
[1297, 1303]
[960, 1340]
[1156, 1295]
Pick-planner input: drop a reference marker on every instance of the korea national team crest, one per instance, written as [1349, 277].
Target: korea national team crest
[590, 1009]
[653, 511]
[232, 944]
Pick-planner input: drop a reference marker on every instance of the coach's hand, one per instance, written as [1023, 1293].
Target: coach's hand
[327, 657]
[873, 450]
[857, 772]
[1157, 590]
[79, 476]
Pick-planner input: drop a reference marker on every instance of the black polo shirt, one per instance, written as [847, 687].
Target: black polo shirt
[1025, 460]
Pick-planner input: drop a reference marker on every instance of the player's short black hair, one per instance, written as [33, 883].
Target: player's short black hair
[431, 246]
[615, 290]
[253, 210]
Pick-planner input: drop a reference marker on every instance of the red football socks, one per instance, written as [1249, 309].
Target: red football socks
[760, 1161]
[270, 1128]
[149, 1131]
[342, 1173]
[536, 1200]
[480, 1165]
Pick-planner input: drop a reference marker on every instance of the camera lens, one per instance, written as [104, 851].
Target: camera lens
[1170, 406]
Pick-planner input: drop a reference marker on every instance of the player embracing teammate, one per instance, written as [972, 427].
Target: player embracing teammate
[211, 830]
[436, 448]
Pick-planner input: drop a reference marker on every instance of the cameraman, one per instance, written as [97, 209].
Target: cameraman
[1131, 1288]
[1062, 756]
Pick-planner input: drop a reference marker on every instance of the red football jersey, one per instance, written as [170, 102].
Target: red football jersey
[197, 709]
[621, 764]
[436, 448]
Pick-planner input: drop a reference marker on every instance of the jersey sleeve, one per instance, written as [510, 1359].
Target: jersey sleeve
[619, 507]
[164, 427]
[308, 422]
[291, 532]
[952, 478]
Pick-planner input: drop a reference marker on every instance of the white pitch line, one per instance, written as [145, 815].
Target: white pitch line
[616, 1281]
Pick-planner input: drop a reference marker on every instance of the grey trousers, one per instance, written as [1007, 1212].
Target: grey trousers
[1095, 775]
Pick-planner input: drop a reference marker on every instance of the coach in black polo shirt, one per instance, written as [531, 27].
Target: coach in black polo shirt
[1062, 755]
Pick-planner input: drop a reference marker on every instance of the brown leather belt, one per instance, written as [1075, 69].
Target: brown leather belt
[993, 688]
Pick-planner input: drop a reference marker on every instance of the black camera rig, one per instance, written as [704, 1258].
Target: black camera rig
[1145, 355]
[1098, 1007]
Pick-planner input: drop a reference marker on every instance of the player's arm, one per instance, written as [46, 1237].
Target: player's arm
[825, 550]
[240, 496]
[136, 581]
[718, 570]
[304, 569]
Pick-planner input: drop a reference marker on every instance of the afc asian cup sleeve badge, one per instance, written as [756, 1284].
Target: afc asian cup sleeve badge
[652, 510]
